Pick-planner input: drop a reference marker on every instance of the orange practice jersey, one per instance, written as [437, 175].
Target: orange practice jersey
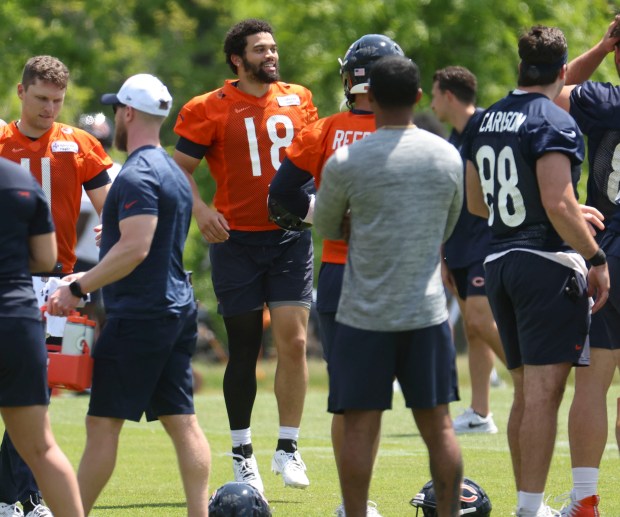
[315, 144]
[61, 161]
[246, 138]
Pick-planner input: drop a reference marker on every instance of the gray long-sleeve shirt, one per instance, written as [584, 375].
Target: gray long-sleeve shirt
[404, 187]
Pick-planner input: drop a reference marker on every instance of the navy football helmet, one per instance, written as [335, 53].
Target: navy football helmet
[474, 500]
[357, 62]
[236, 499]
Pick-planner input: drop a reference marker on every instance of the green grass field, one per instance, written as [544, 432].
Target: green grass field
[146, 480]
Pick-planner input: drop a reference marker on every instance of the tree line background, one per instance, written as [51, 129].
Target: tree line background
[180, 41]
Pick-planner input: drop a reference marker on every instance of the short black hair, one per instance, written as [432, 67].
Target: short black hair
[394, 82]
[458, 80]
[237, 38]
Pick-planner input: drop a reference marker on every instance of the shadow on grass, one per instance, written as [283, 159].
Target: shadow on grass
[401, 435]
[140, 505]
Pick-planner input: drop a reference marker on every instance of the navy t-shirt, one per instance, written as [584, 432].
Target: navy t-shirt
[513, 134]
[23, 213]
[469, 242]
[150, 183]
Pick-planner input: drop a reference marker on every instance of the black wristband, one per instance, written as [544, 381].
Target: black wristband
[76, 290]
[598, 259]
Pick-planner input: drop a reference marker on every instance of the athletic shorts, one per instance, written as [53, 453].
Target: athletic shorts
[363, 364]
[541, 309]
[605, 327]
[23, 363]
[329, 287]
[606, 322]
[470, 280]
[328, 291]
[246, 277]
[327, 331]
[144, 366]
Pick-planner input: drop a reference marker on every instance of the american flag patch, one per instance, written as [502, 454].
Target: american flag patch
[359, 71]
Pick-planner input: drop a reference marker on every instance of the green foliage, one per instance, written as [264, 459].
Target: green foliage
[180, 41]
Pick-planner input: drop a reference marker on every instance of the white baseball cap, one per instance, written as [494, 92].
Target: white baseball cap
[143, 92]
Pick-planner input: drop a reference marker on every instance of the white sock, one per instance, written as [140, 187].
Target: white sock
[529, 501]
[585, 482]
[288, 433]
[241, 436]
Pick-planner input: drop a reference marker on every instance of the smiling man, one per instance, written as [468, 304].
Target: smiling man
[63, 159]
[242, 130]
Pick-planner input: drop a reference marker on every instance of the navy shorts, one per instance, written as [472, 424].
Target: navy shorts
[23, 363]
[605, 332]
[541, 309]
[328, 291]
[470, 280]
[329, 287]
[605, 328]
[144, 366]
[363, 364]
[245, 277]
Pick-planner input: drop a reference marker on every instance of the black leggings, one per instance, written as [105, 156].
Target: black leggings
[245, 335]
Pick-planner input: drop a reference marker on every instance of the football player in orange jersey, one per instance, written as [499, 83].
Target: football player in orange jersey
[63, 159]
[291, 204]
[242, 129]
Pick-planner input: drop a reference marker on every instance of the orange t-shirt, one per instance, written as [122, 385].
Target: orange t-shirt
[246, 137]
[315, 144]
[61, 160]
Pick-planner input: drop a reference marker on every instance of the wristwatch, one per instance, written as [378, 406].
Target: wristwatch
[599, 258]
[76, 290]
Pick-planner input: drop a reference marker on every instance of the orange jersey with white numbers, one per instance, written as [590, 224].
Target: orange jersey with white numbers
[316, 143]
[61, 160]
[246, 137]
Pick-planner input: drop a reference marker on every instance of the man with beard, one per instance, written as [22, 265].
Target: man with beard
[242, 129]
[142, 360]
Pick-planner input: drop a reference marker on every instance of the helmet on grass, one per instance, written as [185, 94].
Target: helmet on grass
[237, 499]
[474, 500]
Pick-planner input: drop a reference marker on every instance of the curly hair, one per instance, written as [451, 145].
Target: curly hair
[543, 52]
[45, 68]
[236, 38]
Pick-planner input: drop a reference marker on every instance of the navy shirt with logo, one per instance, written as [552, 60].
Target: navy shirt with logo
[150, 183]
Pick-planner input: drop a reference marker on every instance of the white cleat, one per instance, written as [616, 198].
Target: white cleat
[471, 422]
[10, 510]
[246, 471]
[292, 468]
[40, 511]
[543, 511]
[371, 510]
